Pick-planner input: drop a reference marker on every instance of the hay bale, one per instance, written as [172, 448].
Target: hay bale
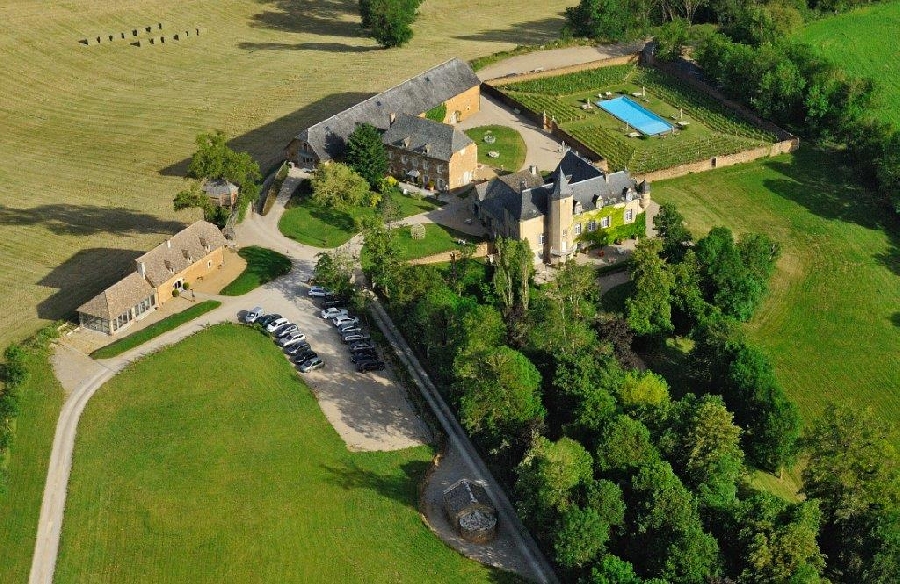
[134, 32]
[187, 33]
[148, 28]
[99, 40]
[123, 35]
[162, 39]
[159, 25]
[152, 40]
[176, 37]
[112, 38]
[84, 42]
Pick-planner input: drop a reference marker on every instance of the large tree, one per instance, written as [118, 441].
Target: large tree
[214, 159]
[650, 309]
[390, 20]
[366, 155]
[338, 186]
[676, 238]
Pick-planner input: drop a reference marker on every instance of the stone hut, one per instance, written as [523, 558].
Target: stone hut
[470, 511]
[221, 192]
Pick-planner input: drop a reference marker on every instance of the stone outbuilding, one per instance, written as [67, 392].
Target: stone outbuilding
[430, 154]
[470, 511]
[221, 192]
[117, 307]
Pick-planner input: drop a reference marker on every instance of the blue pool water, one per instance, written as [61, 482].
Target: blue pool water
[635, 115]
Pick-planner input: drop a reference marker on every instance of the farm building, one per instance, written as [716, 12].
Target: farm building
[221, 192]
[452, 85]
[188, 255]
[580, 206]
[469, 510]
[429, 153]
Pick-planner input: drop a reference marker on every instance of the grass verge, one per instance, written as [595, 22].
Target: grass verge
[232, 473]
[508, 144]
[154, 330]
[263, 265]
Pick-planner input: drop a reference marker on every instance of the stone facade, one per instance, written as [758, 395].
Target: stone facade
[434, 173]
[200, 268]
[462, 106]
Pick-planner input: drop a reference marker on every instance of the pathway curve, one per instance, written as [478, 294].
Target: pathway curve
[556, 58]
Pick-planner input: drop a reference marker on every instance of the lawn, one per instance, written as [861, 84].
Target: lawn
[312, 224]
[830, 322]
[709, 128]
[40, 401]
[864, 42]
[263, 265]
[438, 239]
[154, 330]
[187, 472]
[508, 143]
[96, 139]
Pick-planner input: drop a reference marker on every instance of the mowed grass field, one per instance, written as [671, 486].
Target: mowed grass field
[831, 322]
[191, 473]
[864, 41]
[96, 138]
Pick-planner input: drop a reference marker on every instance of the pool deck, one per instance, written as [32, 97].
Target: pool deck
[635, 115]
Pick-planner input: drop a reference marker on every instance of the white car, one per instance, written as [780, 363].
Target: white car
[334, 312]
[311, 365]
[346, 319]
[292, 339]
[276, 324]
[252, 315]
[318, 291]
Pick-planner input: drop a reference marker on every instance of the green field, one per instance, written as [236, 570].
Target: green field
[312, 224]
[508, 143]
[263, 265]
[96, 138]
[709, 128]
[864, 41]
[185, 472]
[438, 239]
[41, 399]
[831, 322]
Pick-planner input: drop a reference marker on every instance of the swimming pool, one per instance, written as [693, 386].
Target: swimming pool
[636, 116]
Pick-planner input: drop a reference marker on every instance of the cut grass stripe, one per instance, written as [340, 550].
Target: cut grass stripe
[154, 330]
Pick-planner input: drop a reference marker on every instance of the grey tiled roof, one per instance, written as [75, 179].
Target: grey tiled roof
[219, 187]
[180, 251]
[414, 96]
[118, 298]
[433, 139]
[464, 494]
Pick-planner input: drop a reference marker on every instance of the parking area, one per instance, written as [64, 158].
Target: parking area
[370, 411]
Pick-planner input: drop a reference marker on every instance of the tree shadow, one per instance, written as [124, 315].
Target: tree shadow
[318, 17]
[895, 318]
[266, 143]
[329, 47]
[83, 276]
[68, 219]
[400, 486]
[335, 218]
[539, 31]
[826, 184]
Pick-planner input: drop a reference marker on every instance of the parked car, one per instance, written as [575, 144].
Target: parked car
[294, 341]
[334, 312]
[363, 356]
[361, 345]
[353, 337]
[253, 314]
[297, 348]
[342, 320]
[318, 291]
[286, 330]
[290, 339]
[304, 356]
[312, 365]
[349, 328]
[267, 319]
[364, 366]
[276, 324]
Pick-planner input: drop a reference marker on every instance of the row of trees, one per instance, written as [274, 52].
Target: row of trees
[389, 21]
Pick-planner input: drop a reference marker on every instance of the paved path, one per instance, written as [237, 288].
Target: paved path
[556, 58]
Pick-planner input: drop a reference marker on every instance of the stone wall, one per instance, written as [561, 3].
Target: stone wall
[198, 269]
[481, 250]
[782, 147]
[466, 103]
[622, 60]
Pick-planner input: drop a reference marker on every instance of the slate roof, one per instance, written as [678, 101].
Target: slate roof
[464, 494]
[507, 193]
[414, 96]
[118, 298]
[574, 176]
[219, 187]
[433, 139]
[180, 251]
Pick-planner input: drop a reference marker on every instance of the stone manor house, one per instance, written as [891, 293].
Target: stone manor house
[422, 151]
[192, 253]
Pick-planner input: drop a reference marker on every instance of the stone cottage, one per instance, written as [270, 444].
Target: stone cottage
[429, 153]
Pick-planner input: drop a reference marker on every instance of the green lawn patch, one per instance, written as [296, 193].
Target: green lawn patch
[508, 143]
[859, 42]
[263, 265]
[438, 239]
[40, 400]
[196, 466]
[830, 321]
[154, 330]
[311, 224]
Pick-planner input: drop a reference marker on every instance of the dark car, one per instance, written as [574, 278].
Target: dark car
[364, 366]
[297, 348]
[353, 337]
[305, 356]
[334, 303]
[361, 356]
[312, 365]
[265, 320]
[349, 328]
[360, 345]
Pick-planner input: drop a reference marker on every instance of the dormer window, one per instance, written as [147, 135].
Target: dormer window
[577, 209]
[169, 267]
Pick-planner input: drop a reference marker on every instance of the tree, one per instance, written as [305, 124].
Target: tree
[381, 246]
[390, 21]
[852, 469]
[600, 19]
[503, 397]
[338, 186]
[548, 476]
[676, 238]
[643, 395]
[213, 160]
[334, 270]
[563, 312]
[688, 305]
[366, 155]
[649, 310]
[614, 570]
[625, 445]
[513, 269]
[583, 530]
[614, 329]
[365, 13]
[670, 41]
[583, 387]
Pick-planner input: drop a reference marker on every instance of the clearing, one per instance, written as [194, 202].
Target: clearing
[96, 138]
[233, 474]
[864, 42]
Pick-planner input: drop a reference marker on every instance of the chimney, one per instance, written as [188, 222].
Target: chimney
[522, 185]
[393, 117]
[169, 243]
[533, 170]
[142, 269]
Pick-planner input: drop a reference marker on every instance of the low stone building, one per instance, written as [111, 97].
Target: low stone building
[579, 206]
[429, 153]
[185, 257]
[470, 511]
[221, 192]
